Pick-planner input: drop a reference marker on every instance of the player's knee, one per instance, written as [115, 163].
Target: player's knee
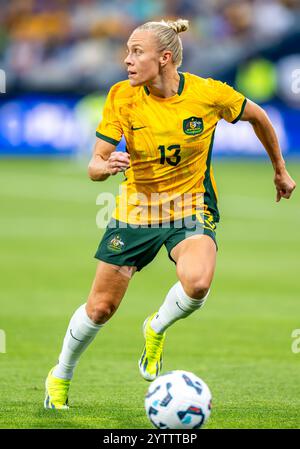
[101, 312]
[196, 287]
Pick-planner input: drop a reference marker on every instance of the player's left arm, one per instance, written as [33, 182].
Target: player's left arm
[264, 130]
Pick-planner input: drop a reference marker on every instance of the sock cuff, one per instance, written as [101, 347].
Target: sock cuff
[191, 303]
[85, 319]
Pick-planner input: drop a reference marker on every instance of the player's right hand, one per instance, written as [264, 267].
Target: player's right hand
[118, 161]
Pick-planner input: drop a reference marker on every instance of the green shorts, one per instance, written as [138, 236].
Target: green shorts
[137, 245]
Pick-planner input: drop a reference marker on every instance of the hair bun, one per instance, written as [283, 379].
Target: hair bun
[179, 25]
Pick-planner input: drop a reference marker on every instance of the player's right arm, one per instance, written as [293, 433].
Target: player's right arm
[106, 161]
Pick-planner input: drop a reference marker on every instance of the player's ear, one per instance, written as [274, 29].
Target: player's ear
[165, 57]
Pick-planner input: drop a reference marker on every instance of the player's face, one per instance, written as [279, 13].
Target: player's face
[142, 58]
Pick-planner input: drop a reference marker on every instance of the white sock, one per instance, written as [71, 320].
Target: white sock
[80, 333]
[177, 305]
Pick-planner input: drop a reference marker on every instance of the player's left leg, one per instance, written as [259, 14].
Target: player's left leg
[195, 259]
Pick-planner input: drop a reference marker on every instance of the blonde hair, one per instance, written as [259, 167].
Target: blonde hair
[166, 33]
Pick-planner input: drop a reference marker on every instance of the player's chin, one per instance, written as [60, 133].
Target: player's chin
[135, 81]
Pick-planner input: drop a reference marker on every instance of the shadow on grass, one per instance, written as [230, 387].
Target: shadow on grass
[87, 417]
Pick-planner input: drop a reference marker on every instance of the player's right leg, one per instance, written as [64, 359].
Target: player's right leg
[108, 289]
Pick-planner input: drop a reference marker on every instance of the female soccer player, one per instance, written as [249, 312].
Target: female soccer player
[169, 195]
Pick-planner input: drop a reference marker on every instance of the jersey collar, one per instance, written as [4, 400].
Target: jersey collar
[180, 87]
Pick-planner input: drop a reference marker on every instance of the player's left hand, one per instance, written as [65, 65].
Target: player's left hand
[284, 185]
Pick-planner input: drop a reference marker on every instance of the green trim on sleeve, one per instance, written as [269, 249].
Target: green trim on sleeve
[107, 139]
[241, 113]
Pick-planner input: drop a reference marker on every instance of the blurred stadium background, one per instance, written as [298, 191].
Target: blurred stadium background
[59, 59]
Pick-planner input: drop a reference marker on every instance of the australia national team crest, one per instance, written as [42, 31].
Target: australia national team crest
[193, 126]
[116, 243]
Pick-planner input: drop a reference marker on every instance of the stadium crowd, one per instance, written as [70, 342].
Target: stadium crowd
[51, 44]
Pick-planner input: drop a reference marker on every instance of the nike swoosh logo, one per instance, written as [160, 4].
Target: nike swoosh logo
[81, 341]
[181, 307]
[135, 129]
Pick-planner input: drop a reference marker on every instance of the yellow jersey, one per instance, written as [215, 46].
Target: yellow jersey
[170, 143]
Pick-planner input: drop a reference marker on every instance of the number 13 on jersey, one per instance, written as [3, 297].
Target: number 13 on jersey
[173, 159]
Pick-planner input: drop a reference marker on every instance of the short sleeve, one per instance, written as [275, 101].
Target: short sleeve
[231, 103]
[109, 128]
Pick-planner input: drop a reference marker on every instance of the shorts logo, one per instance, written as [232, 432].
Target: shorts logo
[116, 243]
[193, 126]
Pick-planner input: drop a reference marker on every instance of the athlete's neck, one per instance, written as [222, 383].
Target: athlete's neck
[164, 85]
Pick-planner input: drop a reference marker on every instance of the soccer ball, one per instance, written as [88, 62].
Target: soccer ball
[178, 400]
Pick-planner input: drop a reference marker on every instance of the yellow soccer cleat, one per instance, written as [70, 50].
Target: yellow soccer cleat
[150, 363]
[56, 392]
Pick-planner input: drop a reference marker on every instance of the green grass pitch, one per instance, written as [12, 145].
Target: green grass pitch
[239, 343]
